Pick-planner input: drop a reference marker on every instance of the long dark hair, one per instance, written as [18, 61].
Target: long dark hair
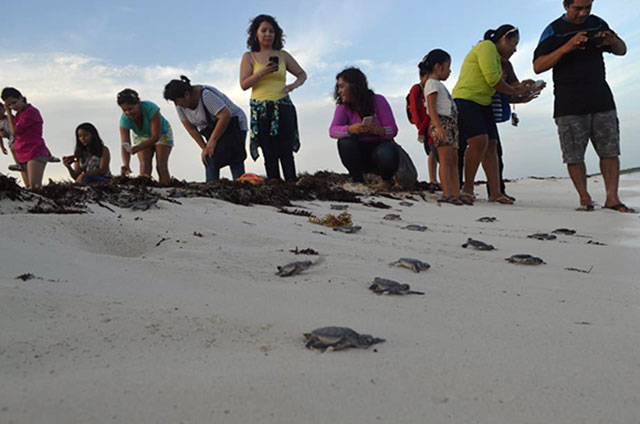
[96, 145]
[357, 80]
[252, 32]
[177, 88]
[10, 92]
[496, 34]
[433, 58]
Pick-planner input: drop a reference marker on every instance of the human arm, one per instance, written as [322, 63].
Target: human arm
[547, 61]
[387, 128]
[153, 138]
[193, 132]
[3, 135]
[247, 78]
[616, 44]
[10, 119]
[72, 165]
[222, 123]
[125, 137]
[294, 68]
[432, 100]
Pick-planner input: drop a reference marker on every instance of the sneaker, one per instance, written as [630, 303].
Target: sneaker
[15, 167]
[54, 159]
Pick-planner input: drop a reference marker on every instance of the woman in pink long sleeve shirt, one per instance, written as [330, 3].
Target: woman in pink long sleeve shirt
[31, 152]
[364, 126]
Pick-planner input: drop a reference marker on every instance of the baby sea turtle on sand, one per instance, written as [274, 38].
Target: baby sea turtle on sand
[414, 265]
[404, 203]
[294, 268]
[384, 286]
[337, 338]
[143, 205]
[542, 236]
[478, 245]
[524, 259]
[415, 227]
[487, 219]
[392, 217]
[565, 231]
[349, 229]
[339, 207]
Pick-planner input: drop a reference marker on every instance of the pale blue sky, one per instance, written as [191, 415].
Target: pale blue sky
[71, 57]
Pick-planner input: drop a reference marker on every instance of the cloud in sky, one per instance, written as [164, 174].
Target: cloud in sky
[71, 87]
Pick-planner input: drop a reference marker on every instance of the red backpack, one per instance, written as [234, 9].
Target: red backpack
[416, 111]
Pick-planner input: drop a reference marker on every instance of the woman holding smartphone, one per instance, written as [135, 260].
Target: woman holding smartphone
[365, 127]
[274, 126]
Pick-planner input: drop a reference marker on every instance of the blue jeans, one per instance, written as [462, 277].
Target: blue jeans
[213, 172]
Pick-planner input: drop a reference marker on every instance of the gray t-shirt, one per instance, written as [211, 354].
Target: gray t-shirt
[4, 125]
[215, 101]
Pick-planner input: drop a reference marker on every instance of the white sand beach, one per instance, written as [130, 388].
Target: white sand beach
[118, 328]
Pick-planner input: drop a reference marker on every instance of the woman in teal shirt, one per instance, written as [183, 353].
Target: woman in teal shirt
[151, 134]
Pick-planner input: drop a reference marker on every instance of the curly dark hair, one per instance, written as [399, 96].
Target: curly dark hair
[357, 80]
[252, 32]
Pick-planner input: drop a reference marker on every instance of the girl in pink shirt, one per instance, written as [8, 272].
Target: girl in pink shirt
[29, 147]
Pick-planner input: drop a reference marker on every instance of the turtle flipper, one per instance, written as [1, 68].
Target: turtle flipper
[415, 292]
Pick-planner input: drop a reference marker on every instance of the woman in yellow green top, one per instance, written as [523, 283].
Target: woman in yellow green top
[480, 77]
[274, 126]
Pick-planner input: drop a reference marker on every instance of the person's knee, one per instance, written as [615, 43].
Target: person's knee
[386, 157]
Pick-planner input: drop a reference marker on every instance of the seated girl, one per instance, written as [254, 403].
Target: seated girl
[364, 126]
[90, 161]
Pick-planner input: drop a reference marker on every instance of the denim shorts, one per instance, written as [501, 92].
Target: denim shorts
[575, 131]
[475, 119]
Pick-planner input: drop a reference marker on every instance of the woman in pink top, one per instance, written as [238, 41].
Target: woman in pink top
[364, 126]
[31, 152]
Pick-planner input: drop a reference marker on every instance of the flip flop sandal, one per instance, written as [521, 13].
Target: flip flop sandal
[469, 197]
[465, 201]
[586, 208]
[620, 207]
[503, 201]
[456, 201]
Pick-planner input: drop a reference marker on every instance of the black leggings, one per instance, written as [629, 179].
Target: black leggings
[278, 149]
[378, 157]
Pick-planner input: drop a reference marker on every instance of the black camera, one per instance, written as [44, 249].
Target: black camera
[594, 39]
[274, 59]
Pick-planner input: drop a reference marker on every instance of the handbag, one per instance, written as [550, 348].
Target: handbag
[230, 147]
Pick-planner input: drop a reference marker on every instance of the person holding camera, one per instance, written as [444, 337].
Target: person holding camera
[216, 124]
[573, 46]
[89, 163]
[274, 126]
[364, 126]
[480, 77]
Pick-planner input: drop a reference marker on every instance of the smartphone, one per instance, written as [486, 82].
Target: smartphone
[274, 59]
[367, 120]
[538, 84]
[127, 146]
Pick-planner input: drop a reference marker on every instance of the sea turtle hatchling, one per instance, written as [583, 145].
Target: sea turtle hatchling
[143, 205]
[384, 286]
[414, 265]
[337, 338]
[349, 229]
[405, 203]
[542, 236]
[392, 217]
[478, 245]
[487, 219]
[524, 259]
[415, 227]
[565, 231]
[339, 207]
[294, 268]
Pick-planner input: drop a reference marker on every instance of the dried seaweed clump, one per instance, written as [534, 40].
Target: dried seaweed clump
[332, 221]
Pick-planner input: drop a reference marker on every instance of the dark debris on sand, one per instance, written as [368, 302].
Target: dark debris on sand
[124, 192]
